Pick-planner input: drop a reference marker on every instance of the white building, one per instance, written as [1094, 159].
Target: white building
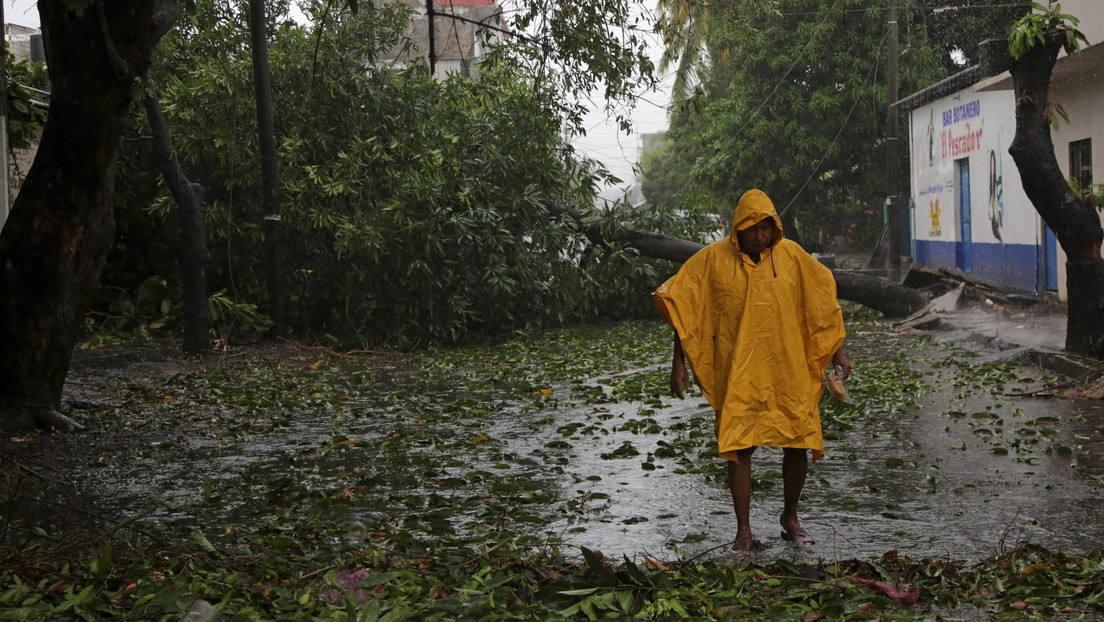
[459, 35]
[969, 210]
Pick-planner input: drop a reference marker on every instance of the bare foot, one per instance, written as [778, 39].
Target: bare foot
[797, 534]
[744, 543]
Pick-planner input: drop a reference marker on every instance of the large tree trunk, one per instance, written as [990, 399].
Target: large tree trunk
[270, 178]
[193, 232]
[888, 297]
[57, 238]
[1075, 222]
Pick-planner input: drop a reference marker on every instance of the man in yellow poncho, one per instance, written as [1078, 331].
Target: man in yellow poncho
[758, 320]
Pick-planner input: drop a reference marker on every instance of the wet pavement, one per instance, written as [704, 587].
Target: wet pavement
[925, 483]
[963, 472]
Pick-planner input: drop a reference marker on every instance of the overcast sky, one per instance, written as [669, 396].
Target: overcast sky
[21, 12]
[605, 141]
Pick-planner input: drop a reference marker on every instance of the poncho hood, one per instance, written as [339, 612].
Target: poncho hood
[753, 207]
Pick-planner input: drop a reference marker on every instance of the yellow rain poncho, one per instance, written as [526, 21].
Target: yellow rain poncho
[758, 336]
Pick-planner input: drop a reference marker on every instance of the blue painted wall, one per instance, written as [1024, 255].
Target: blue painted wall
[1012, 265]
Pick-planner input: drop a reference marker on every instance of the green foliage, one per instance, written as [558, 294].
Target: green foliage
[511, 583]
[690, 35]
[796, 109]
[1093, 192]
[412, 208]
[580, 48]
[1032, 29]
[155, 310]
[26, 81]
[229, 315]
[666, 189]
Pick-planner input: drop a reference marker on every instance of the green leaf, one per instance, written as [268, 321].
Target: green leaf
[625, 600]
[370, 612]
[20, 614]
[201, 540]
[379, 578]
[596, 565]
[580, 592]
[396, 614]
[101, 564]
[634, 571]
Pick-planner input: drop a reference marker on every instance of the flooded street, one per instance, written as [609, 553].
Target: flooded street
[938, 459]
[964, 474]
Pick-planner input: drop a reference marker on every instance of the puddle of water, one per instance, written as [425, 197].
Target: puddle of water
[961, 475]
[923, 482]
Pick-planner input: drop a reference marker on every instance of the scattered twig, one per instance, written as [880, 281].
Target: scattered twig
[1007, 530]
[1094, 372]
[348, 354]
[487, 552]
[317, 572]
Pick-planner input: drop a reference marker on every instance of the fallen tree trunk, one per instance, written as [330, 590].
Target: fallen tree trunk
[891, 299]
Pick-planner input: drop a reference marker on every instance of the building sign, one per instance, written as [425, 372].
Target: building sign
[962, 130]
[977, 126]
[931, 194]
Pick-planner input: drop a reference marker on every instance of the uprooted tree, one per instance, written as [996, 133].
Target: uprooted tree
[1034, 45]
[54, 247]
[888, 297]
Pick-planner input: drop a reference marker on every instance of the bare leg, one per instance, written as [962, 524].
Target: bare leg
[795, 468]
[739, 482]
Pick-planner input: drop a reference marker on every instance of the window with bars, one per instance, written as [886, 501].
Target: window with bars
[1080, 162]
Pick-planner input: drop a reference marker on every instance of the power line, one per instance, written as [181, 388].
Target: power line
[942, 9]
[769, 96]
[816, 169]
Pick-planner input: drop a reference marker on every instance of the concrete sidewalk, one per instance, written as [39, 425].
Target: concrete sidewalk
[1035, 334]
[1007, 330]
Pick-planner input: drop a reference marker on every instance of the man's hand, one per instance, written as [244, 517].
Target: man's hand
[680, 377]
[842, 364]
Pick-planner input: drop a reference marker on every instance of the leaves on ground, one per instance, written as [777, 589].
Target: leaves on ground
[386, 487]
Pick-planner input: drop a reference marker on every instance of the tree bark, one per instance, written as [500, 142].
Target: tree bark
[1075, 221]
[270, 179]
[55, 243]
[888, 297]
[193, 233]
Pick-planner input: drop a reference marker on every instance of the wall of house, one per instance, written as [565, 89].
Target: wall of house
[458, 46]
[969, 209]
[1090, 18]
[1081, 95]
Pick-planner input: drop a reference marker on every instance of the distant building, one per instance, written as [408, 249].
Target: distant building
[648, 142]
[459, 35]
[25, 43]
[969, 210]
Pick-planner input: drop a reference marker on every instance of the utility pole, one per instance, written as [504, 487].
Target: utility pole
[430, 14]
[893, 208]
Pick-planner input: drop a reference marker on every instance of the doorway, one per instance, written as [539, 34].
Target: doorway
[964, 255]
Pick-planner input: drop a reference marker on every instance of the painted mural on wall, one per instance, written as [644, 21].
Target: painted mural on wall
[968, 213]
[996, 193]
